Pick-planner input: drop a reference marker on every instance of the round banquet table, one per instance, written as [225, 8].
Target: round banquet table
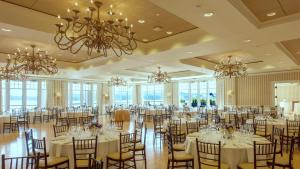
[281, 123]
[63, 146]
[234, 151]
[122, 115]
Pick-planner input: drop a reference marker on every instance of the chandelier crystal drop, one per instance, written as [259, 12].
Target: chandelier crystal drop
[230, 68]
[159, 77]
[34, 62]
[117, 81]
[95, 33]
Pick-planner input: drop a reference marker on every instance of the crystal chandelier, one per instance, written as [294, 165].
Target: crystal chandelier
[230, 68]
[159, 77]
[35, 62]
[8, 72]
[117, 81]
[95, 33]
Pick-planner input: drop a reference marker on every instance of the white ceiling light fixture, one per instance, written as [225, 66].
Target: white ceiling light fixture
[208, 14]
[271, 14]
[145, 40]
[157, 28]
[169, 32]
[5, 30]
[247, 40]
[189, 52]
[117, 81]
[141, 21]
[159, 77]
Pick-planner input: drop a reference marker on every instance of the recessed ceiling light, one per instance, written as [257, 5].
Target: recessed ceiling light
[157, 28]
[189, 52]
[141, 21]
[169, 32]
[247, 40]
[145, 40]
[208, 14]
[158, 14]
[5, 30]
[271, 14]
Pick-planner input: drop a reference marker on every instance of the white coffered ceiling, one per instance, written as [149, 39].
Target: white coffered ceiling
[231, 31]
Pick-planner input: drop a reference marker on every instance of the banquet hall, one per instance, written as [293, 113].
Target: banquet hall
[150, 84]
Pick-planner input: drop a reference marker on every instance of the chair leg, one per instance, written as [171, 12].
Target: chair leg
[168, 164]
[107, 163]
[145, 158]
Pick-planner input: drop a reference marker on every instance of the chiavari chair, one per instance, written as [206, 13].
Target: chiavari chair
[60, 130]
[46, 115]
[62, 121]
[264, 156]
[191, 127]
[177, 131]
[26, 162]
[202, 123]
[12, 125]
[140, 147]
[29, 141]
[209, 155]
[261, 128]
[286, 160]
[177, 159]
[117, 124]
[125, 158]
[23, 119]
[72, 121]
[83, 150]
[293, 130]
[48, 161]
[37, 116]
[278, 134]
[158, 130]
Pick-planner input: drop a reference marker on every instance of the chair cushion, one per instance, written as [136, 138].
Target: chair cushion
[116, 156]
[52, 161]
[250, 166]
[181, 156]
[85, 163]
[282, 160]
[178, 147]
[223, 166]
[138, 147]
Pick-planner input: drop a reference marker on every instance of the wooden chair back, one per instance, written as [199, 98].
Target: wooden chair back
[84, 149]
[72, 121]
[208, 154]
[264, 153]
[260, 127]
[95, 164]
[27, 162]
[127, 143]
[191, 127]
[293, 128]
[29, 142]
[278, 134]
[60, 130]
[117, 124]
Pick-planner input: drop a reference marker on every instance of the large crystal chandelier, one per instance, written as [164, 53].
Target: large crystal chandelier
[34, 62]
[95, 33]
[159, 77]
[117, 81]
[230, 68]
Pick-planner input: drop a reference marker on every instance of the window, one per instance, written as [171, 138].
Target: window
[95, 93]
[43, 94]
[16, 94]
[202, 91]
[122, 95]
[152, 94]
[31, 94]
[86, 94]
[75, 97]
[82, 94]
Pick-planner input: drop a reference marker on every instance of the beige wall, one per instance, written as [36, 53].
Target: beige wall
[252, 90]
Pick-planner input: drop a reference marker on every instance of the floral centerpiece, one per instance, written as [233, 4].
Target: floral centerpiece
[95, 127]
[188, 116]
[229, 131]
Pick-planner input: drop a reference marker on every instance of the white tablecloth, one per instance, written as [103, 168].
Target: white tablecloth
[3, 118]
[183, 122]
[107, 143]
[234, 151]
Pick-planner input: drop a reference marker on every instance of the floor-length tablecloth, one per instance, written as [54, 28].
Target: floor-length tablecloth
[122, 115]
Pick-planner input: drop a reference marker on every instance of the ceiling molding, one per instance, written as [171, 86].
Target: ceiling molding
[288, 53]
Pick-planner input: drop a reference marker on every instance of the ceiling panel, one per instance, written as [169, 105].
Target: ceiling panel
[293, 46]
[132, 9]
[282, 8]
